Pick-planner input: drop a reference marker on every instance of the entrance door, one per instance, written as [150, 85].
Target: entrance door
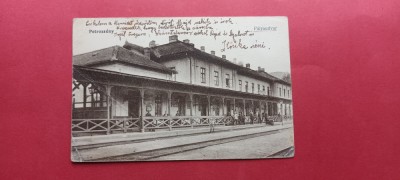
[204, 107]
[228, 107]
[133, 104]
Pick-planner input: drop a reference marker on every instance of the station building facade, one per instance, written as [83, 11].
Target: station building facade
[174, 85]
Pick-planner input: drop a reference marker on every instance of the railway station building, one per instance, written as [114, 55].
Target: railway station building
[170, 86]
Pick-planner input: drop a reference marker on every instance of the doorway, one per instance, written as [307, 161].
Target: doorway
[134, 104]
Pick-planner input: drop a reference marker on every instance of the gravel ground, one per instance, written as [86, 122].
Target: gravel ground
[258, 147]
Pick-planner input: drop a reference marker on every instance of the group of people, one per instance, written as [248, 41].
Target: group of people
[240, 119]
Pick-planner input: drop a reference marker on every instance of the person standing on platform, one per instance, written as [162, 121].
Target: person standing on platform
[212, 124]
[251, 118]
[235, 118]
[240, 118]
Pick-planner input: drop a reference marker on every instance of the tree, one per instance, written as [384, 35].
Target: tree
[286, 77]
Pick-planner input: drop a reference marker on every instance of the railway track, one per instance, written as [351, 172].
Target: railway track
[206, 131]
[178, 144]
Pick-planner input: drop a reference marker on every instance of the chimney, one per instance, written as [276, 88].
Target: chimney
[234, 60]
[223, 56]
[152, 43]
[259, 69]
[240, 63]
[186, 41]
[202, 48]
[147, 52]
[191, 44]
[213, 52]
[263, 69]
[173, 38]
[248, 65]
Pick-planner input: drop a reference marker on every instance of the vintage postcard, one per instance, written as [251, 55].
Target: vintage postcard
[181, 88]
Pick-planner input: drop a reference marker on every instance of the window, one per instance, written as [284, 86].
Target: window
[268, 90]
[284, 92]
[203, 75]
[158, 105]
[173, 74]
[258, 88]
[247, 86]
[252, 87]
[280, 91]
[227, 80]
[216, 78]
[263, 89]
[96, 97]
[240, 85]
[288, 93]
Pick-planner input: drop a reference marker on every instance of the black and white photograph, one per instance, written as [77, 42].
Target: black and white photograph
[181, 88]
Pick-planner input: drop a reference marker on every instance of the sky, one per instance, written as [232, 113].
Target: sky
[269, 33]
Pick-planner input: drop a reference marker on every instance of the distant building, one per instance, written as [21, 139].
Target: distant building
[174, 85]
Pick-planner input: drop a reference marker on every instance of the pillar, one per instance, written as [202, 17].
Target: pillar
[234, 106]
[266, 107]
[209, 105]
[191, 108]
[84, 95]
[252, 106]
[259, 112]
[141, 110]
[244, 108]
[223, 106]
[108, 94]
[169, 93]
[191, 104]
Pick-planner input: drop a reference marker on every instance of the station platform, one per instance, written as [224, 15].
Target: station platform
[147, 145]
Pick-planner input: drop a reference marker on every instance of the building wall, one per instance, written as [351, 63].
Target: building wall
[255, 81]
[211, 68]
[282, 91]
[196, 110]
[134, 70]
[182, 66]
[119, 105]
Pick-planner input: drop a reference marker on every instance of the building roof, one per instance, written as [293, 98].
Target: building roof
[134, 54]
[172, 48]
[118, 54]
[93, 74]
[131, 46]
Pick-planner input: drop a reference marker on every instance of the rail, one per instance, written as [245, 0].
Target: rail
[105, 125]
[149, 123]
[124, 125]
